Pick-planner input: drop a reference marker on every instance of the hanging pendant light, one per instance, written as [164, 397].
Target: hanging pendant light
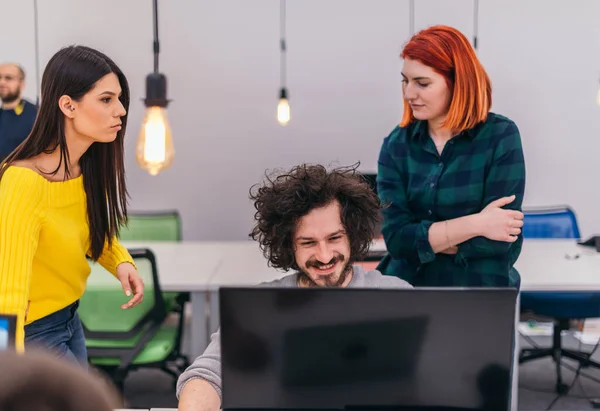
[283, 108]
[155, 152]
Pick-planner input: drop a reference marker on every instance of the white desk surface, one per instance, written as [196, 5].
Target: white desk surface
[245, 265]
[187, 265]
[558, 265]
[543, 265]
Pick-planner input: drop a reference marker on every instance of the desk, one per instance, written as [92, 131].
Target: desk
[198, 267]
[544, 265]
[552, 265]
[202, 267]
[558, 265]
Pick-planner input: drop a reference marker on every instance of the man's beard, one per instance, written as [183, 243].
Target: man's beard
[10, 97]
[305, 280]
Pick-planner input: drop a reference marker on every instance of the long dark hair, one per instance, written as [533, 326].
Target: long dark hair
[286, 197]
[74, 71]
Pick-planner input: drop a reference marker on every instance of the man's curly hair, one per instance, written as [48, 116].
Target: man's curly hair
[285, 198]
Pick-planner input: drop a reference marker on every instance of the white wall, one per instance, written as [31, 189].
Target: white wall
[18, 43]
[222, 62]
[544, 61]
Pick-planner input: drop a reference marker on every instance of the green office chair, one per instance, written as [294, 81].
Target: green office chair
[158, 226]
[119, 341]
[152, 226]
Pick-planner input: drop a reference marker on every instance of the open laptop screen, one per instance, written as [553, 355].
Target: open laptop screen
[336, 349]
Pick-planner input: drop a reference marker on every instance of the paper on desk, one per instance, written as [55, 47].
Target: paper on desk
[591, 332]
[533, 328]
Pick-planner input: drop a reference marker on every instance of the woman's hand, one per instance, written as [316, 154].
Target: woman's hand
[499, 224]
[130, 279]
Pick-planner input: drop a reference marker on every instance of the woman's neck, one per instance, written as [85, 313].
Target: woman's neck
[52, 160]
[439, 133]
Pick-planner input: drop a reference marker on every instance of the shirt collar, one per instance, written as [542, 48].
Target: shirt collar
[18, 110]
[20, 107]
[420, 129]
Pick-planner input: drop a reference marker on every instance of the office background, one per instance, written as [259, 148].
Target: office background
[221, 59]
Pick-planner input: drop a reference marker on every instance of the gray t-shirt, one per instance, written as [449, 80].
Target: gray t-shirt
[208, 365]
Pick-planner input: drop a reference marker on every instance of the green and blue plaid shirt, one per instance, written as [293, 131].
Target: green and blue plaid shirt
[418, 187]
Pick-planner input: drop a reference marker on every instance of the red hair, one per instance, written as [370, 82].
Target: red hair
[448, 52]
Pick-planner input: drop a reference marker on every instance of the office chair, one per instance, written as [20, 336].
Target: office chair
[119, 341]
[561, 307]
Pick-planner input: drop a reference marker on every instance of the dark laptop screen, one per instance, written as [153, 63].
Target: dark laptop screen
[357, 348]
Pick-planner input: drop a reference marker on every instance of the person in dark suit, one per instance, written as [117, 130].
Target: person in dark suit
[17, 115]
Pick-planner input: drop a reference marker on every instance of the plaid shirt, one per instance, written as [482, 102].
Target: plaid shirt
[420, 187]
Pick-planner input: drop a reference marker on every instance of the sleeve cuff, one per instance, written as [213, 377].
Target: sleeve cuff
[114, 255]
[464, 250]
[424, 250]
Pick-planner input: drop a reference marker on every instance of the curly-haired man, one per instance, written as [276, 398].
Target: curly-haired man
[315, 222]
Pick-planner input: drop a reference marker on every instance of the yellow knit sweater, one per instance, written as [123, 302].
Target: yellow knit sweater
[44, 239]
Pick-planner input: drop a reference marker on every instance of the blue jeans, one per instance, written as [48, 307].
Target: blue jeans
[60, 333]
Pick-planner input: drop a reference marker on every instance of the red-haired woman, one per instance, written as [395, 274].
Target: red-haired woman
[452, 175]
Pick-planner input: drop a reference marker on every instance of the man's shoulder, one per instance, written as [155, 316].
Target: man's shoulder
[27, 103]
[289, 280]
[375, 279]
[30, 108]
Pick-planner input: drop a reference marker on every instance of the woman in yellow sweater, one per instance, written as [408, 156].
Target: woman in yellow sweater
[62, 197]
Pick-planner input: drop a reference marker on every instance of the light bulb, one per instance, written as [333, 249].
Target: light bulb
[283, 112]
[155, 150]
[283, 108]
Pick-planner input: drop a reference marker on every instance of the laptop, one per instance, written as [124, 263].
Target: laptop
[8, 331]
[367, 349]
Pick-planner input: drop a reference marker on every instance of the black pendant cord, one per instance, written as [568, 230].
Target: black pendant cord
[156, 43]
[475, 23]
[37, 51]
[411, 17]
[156, 83]
[283, 46]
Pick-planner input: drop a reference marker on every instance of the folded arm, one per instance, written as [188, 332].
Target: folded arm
[405, 236]
[505, 178]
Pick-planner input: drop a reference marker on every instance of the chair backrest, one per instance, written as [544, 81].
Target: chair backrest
[152, 226]
[556, 222]
[100, 306]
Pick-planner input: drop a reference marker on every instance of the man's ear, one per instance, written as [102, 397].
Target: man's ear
[67, 106]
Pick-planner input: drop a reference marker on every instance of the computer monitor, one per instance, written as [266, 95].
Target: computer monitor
[328, 348]
[8, 327]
